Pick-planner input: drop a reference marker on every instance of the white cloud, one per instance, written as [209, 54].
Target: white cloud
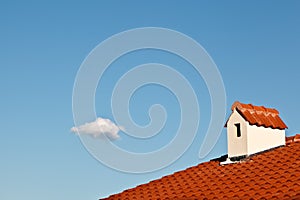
[99, 128]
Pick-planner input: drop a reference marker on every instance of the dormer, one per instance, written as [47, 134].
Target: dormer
[253, 129]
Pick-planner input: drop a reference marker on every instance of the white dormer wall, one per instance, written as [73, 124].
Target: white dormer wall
[253, 139]
[237, 146]
[261, 138]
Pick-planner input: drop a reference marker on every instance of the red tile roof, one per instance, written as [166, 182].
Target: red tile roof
[274, 174]
[259, 115]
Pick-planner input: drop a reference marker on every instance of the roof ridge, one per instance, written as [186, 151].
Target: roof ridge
[292, 139]
[250, 107]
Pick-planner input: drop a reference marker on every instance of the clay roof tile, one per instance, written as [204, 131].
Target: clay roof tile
[259, 115]
[270, 175]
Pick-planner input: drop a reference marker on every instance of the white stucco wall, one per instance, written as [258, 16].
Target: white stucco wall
[261, 138]
[237, 146]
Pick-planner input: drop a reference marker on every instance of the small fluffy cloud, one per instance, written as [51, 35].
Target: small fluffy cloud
[99, 128]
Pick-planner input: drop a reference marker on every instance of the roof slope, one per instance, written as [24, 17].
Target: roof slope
[269, 175]
[259, 115]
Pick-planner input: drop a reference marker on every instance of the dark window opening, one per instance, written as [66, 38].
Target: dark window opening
[238, 130]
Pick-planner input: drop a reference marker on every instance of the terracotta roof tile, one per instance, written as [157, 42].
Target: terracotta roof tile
[259, 115]
[270, 175]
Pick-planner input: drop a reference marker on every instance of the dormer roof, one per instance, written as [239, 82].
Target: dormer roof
[259, 115]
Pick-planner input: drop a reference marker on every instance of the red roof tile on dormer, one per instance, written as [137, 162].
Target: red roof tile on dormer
[270, 175]
[259, 115]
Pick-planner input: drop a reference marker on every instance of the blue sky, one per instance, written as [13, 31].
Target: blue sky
[255, 45]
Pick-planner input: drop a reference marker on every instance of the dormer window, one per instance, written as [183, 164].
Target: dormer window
[238, 129]
[253, 129]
